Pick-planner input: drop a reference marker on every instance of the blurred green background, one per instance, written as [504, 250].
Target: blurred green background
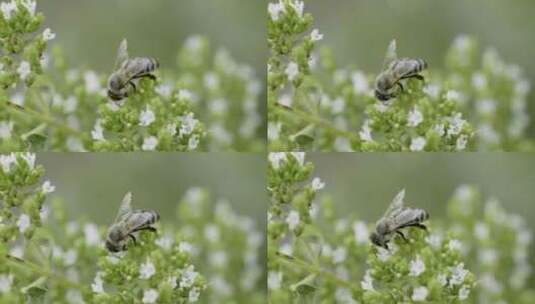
[365, 183]
[90, 31]
[93, 184]
[358, 31]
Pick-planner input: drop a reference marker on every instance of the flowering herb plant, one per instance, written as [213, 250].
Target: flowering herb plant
[47, 257]
[315, 256]
[207, 102]
[476, 102]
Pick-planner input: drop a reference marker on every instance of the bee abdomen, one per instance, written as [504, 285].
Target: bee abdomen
[421, 65]
[423, 216]
[151, 65]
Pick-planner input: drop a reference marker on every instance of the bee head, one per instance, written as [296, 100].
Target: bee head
[113, 247]
[377, 240]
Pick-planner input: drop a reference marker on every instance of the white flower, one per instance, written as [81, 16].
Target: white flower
[165, 242]
[273, 131]
[383, 254]
[23, 222]
[417, 267]
[344, 296]
[171, 128]
[458, 273]
[292, 219]
[185, 247]
[275, 158]
[98, 132]
[97, 285]
[315, 35]
[365, 133]
[440, 129]
[185, 94]
[211, 233]
[442, 279]
[419, 294]
[146, 117]
[8, 8]
[188, 277]
[17, 251]
[30, 6]
[47, 187]
[481, 231]
[464, 292]
[417, 144]
[460, 143]
[6, 127]
[414, 118]
[479, 81]
[339, 255]
[30, 159]
[48, 34]
[275, 10]
[5, 281]
[193, 142]
[453, 95]
[360, 232]
[299, 157]
[360, 83]
[150, 296]
[434, 240]
[149, 143]
[292, 70]
[338, 105]
[92, 83]
[147, 270]
[172, 281]
[455, 245]
[367, 282]
[285, 100]
[298, 7]
[164, 90]
[193, 295]
[44, 212]
[70, 256]
[317, 184]
[188, 124]
[92, 237]
[456, 124]
[432, 90]
[24, 70]
[6, 161]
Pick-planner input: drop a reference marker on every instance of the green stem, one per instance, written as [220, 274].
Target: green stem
[26, 265]
[293, 261]
[14, 109]
[315, 120]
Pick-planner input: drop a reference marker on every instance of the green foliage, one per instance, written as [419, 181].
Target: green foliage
[314, 256]
[46, 257]
[207, 102]
[474, 103]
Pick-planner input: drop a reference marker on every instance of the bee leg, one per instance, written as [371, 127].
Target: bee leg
[419, 77]
[133, 85]
[400, 86]
[151, 76]
[145, 228]
[423, 227]
[133, 238]
[402, 235]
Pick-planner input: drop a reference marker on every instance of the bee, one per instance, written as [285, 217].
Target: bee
[128, 71]
[127, 223]
[395, 70]
[397, 217]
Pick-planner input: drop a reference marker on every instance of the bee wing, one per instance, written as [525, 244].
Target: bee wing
[126, 206]
[391, 54]
[138, 219]
[405, 217]
[122, 54]
[396, 205]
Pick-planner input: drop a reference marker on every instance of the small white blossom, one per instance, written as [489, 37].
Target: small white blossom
[172, 281]
[188, 277]
[417, 267]
[150, 296]
[92, 237]
[454, 245]
[275, 158]
[193, 295]
[98, 132]
[6, 161]
[442, 279]
[293, 219]
[211, 233]
[188, 124]
[48, 34]
[440, 129]
[6, 127]
[164, 90]
[383, 254]
[23, 222]
[414, 118]
[292, 70]
[360, 232]
[30, 5]
[456, 124]
[149, 143]
[432, 90]
[453, 95]
[147, 270]
[365, 133]
[146, 117]
[30, 159]
[339, 255]
[275, 10]
[315, 35]
[273, 131]
[419, 294]
[171, 128]
[460, 143]
[193, 142]
[298, 7]
[165, 242]
[317, 184]
[464, 292]
[47, 187]
[8, 8]
[92, 83]
[418, 144]
[367, 282]
[24, 70]
[185, 247]
[299, 157]
[434, 240]
[458, 273]
[97, 285]
[285, 100]
[360, 83]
